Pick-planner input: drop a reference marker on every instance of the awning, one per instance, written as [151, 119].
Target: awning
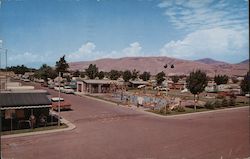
[26, 107]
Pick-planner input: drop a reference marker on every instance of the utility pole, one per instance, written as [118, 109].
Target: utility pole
[1, 48]
[59, 95]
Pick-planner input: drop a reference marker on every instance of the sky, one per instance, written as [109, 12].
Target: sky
[41, 31]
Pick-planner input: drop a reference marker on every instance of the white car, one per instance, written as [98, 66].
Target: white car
[67, 90]
[57, 88]
[26, 80]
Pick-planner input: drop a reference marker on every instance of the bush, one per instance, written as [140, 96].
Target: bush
[209, 105]
[217, 104]
[232, 101]
[179, 109]
[224, 102]
[163, 111]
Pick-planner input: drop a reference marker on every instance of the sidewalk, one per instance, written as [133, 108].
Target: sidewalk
[69, 127]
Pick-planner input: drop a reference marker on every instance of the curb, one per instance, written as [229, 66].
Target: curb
[69, 124]
[197, 113]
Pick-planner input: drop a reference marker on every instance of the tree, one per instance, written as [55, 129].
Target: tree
[46, 72]
[92, 71]
[175, 79]
[134, 74]
[245, 83]
[62, 65]
[101, 75]
[234, 80]
[160, 77]
[76, 73]
[127, 75]
[196, 83]
[145, 76]
[114, 74]
[82, 74]
[19, 69]
[221, 79]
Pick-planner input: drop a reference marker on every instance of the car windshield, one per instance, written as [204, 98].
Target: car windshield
[67, 87]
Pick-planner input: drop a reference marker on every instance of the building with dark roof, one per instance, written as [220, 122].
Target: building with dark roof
[96, 86]
[17, 107]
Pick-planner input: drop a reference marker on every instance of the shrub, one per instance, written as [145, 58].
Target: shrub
[232, 101]
[179, 109]
[209, 105]
[163, 111]
[217, 104]
[224, 102]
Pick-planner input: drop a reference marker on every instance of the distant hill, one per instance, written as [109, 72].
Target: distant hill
[244, 62]
[156, 64]
[210, 61]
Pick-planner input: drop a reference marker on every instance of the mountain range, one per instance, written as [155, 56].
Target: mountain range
[155, 65]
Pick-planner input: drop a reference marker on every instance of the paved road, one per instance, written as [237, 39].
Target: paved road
[113, 132]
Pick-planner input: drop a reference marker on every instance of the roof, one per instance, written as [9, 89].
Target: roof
[139, 82]
[18, 99]
[99, 81]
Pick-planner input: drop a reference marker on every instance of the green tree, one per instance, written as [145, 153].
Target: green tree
[175, 79]
[234, 80]
[101, 75]
[134, 74]
[62, 65]
[221, 79]
[19, 69]
[82, 74]
[160, 77]
[245, 83]
[46, 72]
[127, 75]
[114, 74]
[196, 83]
[145, 76]
[76, 73]
[92, 71]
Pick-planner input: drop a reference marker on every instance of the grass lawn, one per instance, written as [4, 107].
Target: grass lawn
[190, 110]
[240, 101]
[33, 130]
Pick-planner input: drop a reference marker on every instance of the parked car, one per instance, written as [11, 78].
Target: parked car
[57, 88]
[67, 90]
[51, 86]
[64, 105]
[26, 80]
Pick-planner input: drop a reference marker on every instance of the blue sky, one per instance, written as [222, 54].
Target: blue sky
[40, 31]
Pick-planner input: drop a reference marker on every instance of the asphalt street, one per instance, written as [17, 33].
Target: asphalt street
[107, 131]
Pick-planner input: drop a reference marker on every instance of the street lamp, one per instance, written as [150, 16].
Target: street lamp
[59, 102]
[6, 51]
[166, 66]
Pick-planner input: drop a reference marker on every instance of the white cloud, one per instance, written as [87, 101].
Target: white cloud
[206, 14]
[30, 58]
[216, 43]
[134, 49]
[19, 58]
[88, 52]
